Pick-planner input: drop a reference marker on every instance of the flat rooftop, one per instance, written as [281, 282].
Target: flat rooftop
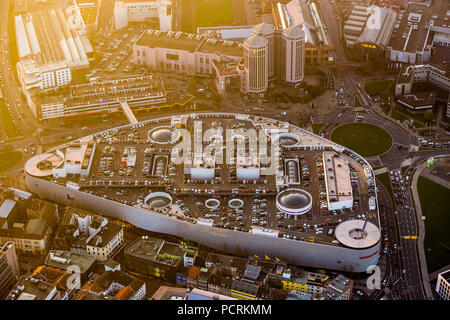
[112, 176]
[337, 175]
[189, 42]
[407, 37]
[419, 99]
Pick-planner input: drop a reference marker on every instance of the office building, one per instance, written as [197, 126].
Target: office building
[267, 31]
[158, 258]
[292, 67]
[9, 250]
[83, 232]
[443, 285]
[30, 288]
[9, 271]
[255, 78]
[126, 11]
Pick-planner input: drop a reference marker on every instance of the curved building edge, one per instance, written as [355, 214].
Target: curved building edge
[302, 253]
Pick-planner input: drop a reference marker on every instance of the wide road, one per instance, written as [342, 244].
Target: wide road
[336, 38]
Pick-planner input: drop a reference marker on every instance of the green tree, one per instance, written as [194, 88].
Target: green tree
[428, 116]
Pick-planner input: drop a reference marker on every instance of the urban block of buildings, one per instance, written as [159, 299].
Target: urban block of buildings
[31, 288]
[9, 268]
[247, 66]
[409, 77]
[158, 258]
[82, 232]
[28, 225]
[112, 285]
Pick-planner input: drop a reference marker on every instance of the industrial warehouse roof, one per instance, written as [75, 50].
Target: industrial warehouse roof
[294, 32]
[45, 34]
[378, 28]
[302, 14]
[355, 24]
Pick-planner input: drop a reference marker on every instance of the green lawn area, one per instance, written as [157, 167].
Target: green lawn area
[384, 179]
[436, 209]
[9, 159]
[365, 139]
[316, 127]
[404, 169]
[401, 115]
[374, 88]
[212, 13]
[357, 102]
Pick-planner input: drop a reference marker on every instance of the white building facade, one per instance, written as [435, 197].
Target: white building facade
[255, 65]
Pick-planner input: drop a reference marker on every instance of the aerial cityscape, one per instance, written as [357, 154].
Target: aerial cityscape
[225, 150]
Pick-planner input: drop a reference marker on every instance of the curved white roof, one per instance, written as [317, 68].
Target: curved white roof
[31, 166]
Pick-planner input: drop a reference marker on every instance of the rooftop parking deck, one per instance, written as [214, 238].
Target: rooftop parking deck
[128, 166]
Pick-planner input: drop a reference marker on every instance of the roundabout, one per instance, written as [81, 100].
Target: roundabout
[366, 139]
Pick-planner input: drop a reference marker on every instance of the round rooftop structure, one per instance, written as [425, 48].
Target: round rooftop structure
[235, 203]
[163, 135]
[158, 200]
[288, 140]
[212, 203]
[255, 42]
[294, 201]
[357, 234]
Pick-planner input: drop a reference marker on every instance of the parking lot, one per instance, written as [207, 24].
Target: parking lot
[128, 165]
